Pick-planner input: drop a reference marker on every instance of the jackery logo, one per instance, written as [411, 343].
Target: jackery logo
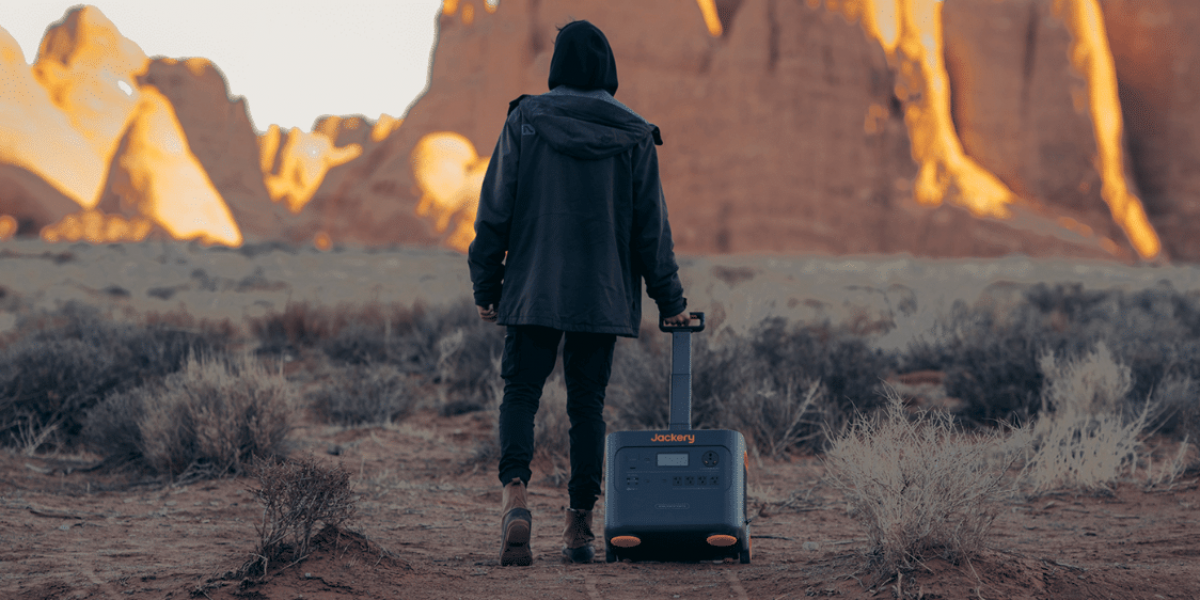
[674, 437]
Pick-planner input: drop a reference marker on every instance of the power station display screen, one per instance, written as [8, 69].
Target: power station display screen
[673, 460]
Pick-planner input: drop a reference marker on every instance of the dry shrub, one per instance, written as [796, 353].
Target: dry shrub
[296, 494]
[210, 419]
[1178, 396]
[348, 332]
[778, 416]
[1083, 439]
[551, 431]
[638, 395]
[1090, 385]
[920, 485]
[62, 364]
[364, 394]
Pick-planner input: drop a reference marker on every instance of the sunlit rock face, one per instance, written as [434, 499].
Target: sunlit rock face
[296, 163]
[1158, 70]
[45, 156]
[155, 176]
[90, 71]
[219, 134]
[1020, 107]
[781, 134]
[790, 125]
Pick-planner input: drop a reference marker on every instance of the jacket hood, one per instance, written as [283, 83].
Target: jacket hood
[586, 128]
[583, 59]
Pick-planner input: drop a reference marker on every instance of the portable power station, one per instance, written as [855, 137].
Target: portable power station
[680, 493]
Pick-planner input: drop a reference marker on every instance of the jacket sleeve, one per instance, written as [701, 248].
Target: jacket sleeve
[653, 249]
[485, 256]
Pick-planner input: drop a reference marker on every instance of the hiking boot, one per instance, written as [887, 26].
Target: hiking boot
[577, 537]
[515, 526]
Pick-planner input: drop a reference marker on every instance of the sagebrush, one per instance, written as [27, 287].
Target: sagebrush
[63, 363]
[1085, 437]
[364, 395]
[296, 495]
[210, 419]
[920, 485]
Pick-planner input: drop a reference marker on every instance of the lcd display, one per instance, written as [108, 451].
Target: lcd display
[673, 460]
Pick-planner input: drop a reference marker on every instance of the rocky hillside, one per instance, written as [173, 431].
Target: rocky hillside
[793, 126]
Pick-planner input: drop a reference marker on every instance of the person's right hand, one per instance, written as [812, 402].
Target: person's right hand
[679, 320]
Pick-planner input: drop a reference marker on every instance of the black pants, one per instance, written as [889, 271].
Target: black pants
[530, 352]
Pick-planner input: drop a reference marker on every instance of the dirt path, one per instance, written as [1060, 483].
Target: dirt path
[428, 524]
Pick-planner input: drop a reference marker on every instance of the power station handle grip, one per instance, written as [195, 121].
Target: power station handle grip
[691, 328]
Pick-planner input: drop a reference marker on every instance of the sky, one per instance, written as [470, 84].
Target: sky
[292, 60]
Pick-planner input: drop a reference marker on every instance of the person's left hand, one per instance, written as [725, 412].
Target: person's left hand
[487, 313]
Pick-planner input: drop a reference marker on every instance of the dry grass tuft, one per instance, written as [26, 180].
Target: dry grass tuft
[210, 419]
[919, 485]
[1083, 441]
[778, 416]
[296, 496]
[364, 395]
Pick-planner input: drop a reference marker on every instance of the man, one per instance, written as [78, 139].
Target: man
[571, 219]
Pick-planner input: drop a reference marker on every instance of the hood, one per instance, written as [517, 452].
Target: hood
[586, 128]
[583, 59]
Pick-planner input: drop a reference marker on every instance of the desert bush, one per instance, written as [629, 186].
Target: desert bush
[750, 382]
[776, 419]
[551, 431]
[300, 324]
[991, 355]
[1084, 439]
[447, 345]
[920, 486]
[1090, 385]
[1178, 397]
[364, 394]
[465, 352]
[63, 363]
[990, 362]
[210, 419]
[638, 393]
[296, 495]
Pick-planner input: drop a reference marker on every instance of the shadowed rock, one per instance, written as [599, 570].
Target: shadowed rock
[1021, 108]
[1158, 74]
[220, 135]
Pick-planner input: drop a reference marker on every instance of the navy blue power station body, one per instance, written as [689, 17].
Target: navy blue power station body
[679, 493]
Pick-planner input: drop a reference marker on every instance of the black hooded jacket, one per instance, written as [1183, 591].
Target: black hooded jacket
[572, 195]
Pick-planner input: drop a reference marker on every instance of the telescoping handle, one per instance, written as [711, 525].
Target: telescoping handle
[681, 370]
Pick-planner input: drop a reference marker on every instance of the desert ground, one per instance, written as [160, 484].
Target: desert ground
[428, 505]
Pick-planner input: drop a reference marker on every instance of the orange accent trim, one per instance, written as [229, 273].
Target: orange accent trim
[721, 540]
[626, 541]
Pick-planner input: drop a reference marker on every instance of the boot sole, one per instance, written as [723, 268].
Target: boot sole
[516, 550]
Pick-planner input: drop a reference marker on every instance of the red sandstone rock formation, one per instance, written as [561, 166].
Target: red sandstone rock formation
[90, 71]
[1016, 102]
[1158, 72]
[218, 131]
[781, 135]
[784, 133]
[155, 177]
[45, 157]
